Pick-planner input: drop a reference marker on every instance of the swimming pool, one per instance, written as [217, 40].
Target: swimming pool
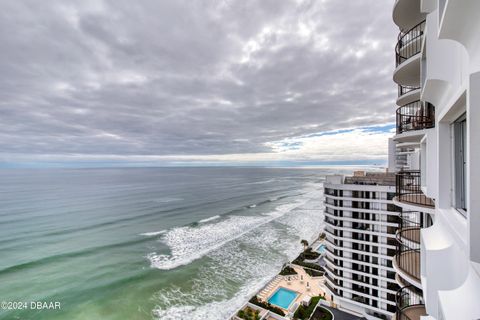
[321, 249]
[283, 298]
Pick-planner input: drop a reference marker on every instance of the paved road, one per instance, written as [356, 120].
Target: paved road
[340, 315]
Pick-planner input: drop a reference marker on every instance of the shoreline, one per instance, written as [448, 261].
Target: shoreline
[301, 283]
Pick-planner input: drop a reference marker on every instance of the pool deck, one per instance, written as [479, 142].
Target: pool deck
[295, 283]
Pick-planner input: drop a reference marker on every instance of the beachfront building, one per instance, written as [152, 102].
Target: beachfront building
[360, 225]
[436, 153]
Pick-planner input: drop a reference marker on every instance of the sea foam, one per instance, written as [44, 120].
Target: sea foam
[250, 260]
[190, 243]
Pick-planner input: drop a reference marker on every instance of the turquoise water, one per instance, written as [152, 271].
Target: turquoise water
[283, 298]
[150, 243]
[321, 248]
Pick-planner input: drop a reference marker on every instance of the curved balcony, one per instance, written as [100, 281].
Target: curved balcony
[408, 56]
[417, 115]
[409, 190]
[407, 13]
[407, 264]
[407, 94]
[402, 90]
[408, 232]
[409, 235]
[407, 258]
[409, 43]
[410, 304]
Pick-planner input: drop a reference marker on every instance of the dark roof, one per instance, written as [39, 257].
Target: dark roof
[372, 178]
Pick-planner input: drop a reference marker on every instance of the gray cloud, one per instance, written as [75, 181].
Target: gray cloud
[178, 77]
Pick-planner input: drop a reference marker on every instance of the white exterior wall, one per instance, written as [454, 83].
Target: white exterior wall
[450, 78]
[376, 227]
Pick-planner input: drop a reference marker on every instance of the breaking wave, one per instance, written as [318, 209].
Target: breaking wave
[209, 219]
[240, 265]
[154, 233]
[190, 243]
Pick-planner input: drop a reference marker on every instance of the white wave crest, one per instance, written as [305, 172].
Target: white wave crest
[190, 243]
[154, 233]
[250, 261]
[209, 219]
[167, 199]
[231, 263]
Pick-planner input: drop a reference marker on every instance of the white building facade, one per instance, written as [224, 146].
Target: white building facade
[437, 155]
[360, 226]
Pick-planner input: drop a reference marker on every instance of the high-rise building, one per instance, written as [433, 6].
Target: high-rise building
[437, 151]
[360, 225]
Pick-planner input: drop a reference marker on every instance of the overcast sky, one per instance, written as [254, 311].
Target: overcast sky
[180, 82]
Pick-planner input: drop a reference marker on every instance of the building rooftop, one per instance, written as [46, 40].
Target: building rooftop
[371, 178]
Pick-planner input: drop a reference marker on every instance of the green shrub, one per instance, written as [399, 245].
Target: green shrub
[300, 262]
[307, 255]
[287, 271]
[267, 306]
[310, 255]
[249, 314]
[305, 312]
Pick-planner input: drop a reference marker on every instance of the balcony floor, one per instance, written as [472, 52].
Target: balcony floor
[413, 313]
[417, 199]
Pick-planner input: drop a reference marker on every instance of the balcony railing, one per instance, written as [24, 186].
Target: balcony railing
[410, 304]
[333, 290]
[327, 258]
[331, 279]
[409, 228]
[410, 224]
[409, 189]
[408, 260]
[409, 43]
[417, 115]
[406, 89]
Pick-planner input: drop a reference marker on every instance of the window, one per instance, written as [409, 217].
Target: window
[460, 163]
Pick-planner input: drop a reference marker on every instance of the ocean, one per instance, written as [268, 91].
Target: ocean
[150, 243]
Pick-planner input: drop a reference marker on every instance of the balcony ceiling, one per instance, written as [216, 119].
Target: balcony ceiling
[406, 13]
[409, 97]
[408, 72]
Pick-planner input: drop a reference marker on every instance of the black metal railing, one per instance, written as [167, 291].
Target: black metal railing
[330, 242]
[328, 229]
[409, 188]
[417, 115]
[331, 288]
[330, 251]
[329, 260]
[331, 279]
[406, 89]
[409, 228]
[410, 304]
[409, 43]
[407, 259]
[410, 224]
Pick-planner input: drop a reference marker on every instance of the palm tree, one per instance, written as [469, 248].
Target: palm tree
[305, 245]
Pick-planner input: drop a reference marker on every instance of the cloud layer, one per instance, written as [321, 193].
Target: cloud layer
[194, 79]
